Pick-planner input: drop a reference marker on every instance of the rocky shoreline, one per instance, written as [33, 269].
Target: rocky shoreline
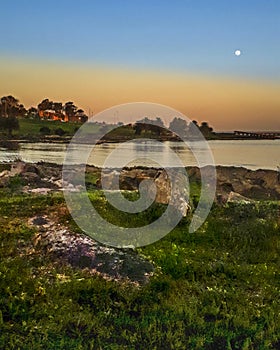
[254, 184]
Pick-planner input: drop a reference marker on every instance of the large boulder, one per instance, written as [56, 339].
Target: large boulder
[126, 179]
[173, 191]
[130, 179]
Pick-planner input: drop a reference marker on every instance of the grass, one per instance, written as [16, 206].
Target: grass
[31, 127]
[218, 288]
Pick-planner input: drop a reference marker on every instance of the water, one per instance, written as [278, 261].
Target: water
[252, 154]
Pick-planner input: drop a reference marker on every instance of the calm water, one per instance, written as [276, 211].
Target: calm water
[252, 154]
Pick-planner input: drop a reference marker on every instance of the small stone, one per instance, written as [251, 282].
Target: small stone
[39, 220]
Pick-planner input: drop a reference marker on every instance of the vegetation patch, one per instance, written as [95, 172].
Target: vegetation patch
[217, 288]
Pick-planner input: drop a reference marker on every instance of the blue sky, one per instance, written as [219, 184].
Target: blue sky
[197, 36]
[174, 52]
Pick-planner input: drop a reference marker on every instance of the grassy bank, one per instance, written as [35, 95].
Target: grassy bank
[31, 127]
[217, 288]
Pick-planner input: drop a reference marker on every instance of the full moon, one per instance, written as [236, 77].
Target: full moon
[237, 52]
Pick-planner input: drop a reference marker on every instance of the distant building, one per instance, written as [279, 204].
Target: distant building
[50, 114]
[78, 117]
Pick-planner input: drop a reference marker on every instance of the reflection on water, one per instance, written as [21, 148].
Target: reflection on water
[253, 154]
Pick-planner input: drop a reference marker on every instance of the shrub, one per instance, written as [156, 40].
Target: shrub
[44, 130]
[60, 132]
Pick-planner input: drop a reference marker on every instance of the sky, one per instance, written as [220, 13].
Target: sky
[178, 53]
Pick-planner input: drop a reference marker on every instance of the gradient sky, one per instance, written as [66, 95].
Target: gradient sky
[178, 53]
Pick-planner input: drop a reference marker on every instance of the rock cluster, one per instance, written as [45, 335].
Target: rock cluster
[32, 176]
[83, 252]
[249, 184]
[258, 184]
[166, 190]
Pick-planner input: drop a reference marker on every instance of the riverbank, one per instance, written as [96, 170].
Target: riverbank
[217, 288]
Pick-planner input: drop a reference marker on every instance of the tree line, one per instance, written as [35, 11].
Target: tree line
[11, 109]
[177, 125]
[178, 128]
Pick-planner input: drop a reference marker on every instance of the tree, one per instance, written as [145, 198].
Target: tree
[193, 129]
[81, 114]
[32, 112]
[9, 124]
[158, 121]
[70, 109]
[8, 104]
[10, 107]
[45, 104]
[155, 126]
[205, 129]
[179, 126]
[57, 107]
[138, 127]
[21, 111]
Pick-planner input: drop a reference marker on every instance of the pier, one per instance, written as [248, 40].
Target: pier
[258, 134]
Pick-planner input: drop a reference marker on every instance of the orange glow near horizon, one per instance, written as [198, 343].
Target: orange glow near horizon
[226, 103]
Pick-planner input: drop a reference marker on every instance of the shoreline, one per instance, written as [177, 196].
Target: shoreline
[143, 167]
[67, 139]
[261, 184]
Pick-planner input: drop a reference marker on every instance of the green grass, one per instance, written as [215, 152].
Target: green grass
[31, 127]
[218, 288]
